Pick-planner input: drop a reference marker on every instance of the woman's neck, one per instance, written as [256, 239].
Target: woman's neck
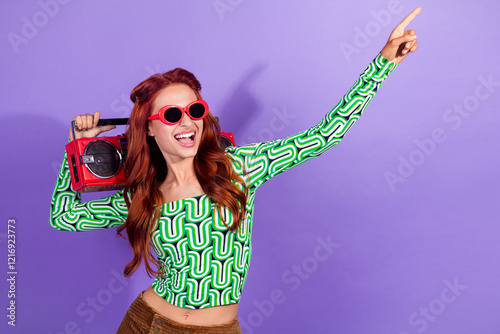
[180, 173]
[181, 182]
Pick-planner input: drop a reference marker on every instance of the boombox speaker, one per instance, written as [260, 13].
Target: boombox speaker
[97, 163]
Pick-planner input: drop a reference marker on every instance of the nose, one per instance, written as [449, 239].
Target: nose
[186, 121]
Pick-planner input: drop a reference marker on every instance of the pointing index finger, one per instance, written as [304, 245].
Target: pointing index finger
[406, 21]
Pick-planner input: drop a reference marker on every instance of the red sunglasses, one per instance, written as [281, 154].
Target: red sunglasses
[172, 115]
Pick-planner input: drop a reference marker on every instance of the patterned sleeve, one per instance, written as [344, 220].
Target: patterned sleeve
[68, 213]
[261, 162]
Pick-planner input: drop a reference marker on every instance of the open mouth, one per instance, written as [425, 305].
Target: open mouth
[185, 138]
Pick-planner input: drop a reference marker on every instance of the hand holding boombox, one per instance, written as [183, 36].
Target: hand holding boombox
[87, 126]
[97, 163]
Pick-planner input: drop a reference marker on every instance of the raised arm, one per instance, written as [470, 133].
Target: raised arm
[261, 162]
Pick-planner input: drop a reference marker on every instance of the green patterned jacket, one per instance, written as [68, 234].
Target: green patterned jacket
[205, 264]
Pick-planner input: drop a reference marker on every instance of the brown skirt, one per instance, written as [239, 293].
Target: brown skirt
[141, 318]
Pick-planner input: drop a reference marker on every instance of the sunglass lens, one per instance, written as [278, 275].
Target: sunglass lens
[173, 115]
[197, 110]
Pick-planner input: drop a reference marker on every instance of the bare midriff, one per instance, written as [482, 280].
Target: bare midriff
[201, 317]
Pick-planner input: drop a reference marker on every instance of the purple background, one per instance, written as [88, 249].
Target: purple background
[270, 69]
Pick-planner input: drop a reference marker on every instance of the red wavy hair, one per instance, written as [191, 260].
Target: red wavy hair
[147, 170]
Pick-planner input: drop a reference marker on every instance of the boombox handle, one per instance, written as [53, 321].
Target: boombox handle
[102, 122]
[107, 121]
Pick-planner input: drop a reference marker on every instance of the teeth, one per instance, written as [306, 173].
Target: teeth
[184, 135]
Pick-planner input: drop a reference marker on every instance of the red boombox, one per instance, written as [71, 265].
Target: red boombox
[97, 164]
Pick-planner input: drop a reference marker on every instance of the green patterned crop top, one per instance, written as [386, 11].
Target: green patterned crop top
[204, 263]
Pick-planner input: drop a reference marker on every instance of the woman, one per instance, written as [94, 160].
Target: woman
[193, 202]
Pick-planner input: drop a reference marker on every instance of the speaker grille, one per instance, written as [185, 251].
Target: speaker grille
[106, 158]
[225, 142]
